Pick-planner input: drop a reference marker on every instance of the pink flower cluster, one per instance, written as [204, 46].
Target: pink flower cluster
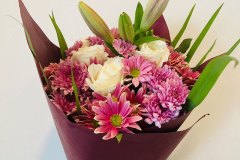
[143, 91]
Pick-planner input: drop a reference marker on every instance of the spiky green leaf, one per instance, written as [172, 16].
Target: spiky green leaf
[75, 91]
[61, 39]
[229, 52]
[205, 55]
[207, 80]
[202, 35]
[114, 51]
[138, 16]
[180, 33]
[184, 46]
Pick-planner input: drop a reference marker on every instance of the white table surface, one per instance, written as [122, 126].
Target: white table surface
[27, 131]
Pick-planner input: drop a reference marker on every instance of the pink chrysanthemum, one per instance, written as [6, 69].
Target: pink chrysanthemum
[75, 47]
[115, 33]
[62, 79]
[172, 94]
[115, 117]
[138, 68]
[155, 114]
[51, 69]
[95, 41]
[124, 48]
[61, 102]
[162, 74]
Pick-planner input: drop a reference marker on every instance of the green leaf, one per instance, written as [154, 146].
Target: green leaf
[180, 33]
[61, 39]
[29, 41]
[203, 65]
[147, 40]
[110, 46]
[153, 12]
[95, 22]
[184, 46]
[202, 35]
[138, 16]
[75, 90]
[205, 55]
[119, 137]
[207, 80]
[229, 52]
[125, 27]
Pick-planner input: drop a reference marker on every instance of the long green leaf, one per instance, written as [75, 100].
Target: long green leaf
[29, 41]
[207, 80]
[147, 40]
[35, 57]
[114, 51]
[61, 39]
[180, 33]
[138, 16]
[202, 35]
[184, 46]
[75, 90]
[205, 55]
[229, 52]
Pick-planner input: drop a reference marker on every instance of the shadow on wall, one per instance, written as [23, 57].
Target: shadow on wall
[52, 147]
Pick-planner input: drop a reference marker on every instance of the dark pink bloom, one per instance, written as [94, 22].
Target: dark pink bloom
[62, 79]
[75, 47]
[61, 102]
[124, 48]
[138, 69]
[189, 76]
[51, 69]
[115, 33]
[115, 117]
[172, 94]
[95, 41]
[177, 61]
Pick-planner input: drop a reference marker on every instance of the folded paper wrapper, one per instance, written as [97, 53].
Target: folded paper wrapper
[80, 143]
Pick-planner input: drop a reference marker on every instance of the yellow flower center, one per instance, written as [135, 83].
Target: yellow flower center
[116, 120]
[135, 73]
[114, 99]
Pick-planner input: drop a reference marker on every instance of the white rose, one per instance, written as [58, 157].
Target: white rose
[86, 53]
[156, 51]
[104, 78]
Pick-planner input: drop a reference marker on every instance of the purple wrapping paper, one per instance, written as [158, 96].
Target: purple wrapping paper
[80, 143]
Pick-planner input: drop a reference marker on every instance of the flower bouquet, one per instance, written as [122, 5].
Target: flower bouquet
[125, 89]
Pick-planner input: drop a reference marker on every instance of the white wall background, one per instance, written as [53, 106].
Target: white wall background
[27, 131]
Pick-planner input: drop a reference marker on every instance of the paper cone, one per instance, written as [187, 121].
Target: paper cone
[80, 143]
